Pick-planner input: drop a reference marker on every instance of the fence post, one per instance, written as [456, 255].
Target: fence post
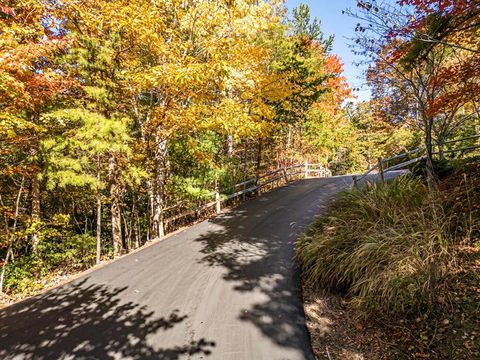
[285, 175]
[306, 169]
[441, 154]
[244, 195]
[380, 169]
[355, 181]
[217, 197]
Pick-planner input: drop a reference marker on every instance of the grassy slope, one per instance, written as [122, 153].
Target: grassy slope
[393, 272]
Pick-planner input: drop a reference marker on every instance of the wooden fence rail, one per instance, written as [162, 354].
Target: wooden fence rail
[270, 179]
[382, 164]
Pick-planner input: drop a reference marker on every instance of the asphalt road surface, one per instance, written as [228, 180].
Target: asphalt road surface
[226, 288]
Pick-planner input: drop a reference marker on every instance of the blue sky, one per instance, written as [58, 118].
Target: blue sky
[329, 12]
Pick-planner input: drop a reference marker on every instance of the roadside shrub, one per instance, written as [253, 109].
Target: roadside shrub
[71, 252]
[441, 168]
[22, 275]
[60, 251]
[387, 246]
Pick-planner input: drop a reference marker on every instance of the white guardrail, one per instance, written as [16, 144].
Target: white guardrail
[382, 164]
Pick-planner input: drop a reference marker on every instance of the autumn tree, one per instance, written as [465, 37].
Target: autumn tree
[412, 52]
[30, 86]
[315, 82]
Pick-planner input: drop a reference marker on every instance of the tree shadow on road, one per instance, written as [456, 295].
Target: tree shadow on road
[87, 321]
[256, 250]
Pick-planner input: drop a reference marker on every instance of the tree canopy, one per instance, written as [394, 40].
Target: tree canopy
[118, 116]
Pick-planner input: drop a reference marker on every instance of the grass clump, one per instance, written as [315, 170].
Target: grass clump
[388, 246]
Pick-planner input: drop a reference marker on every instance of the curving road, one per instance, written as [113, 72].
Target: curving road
[225, 289]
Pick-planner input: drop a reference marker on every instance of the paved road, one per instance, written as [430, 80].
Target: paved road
[225, 289]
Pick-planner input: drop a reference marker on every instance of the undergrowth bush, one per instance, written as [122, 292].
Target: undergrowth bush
[441, 168]
[22, 276]
[388, 246]
[68, 252]
[60, 251]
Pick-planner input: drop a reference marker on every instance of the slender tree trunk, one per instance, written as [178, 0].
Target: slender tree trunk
[115, 195]
[35, 214]
[157, 226]
[136, 224]
[4, 266]
[99, 227]
[289, 137]
[151, 208]
[230, 144]
[116, 226]
[35, 210]
[288, 145]
[259, 159]
[99, 216]
[429, 151]
[244, 170]
[441, 153]
[161, 168]
[300, 140]
[149, 182]
[11, 234]
[127, 225]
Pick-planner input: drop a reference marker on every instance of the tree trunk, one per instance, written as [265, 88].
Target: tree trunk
[441, 153]
[115, 195]
[99, 216]
[136, 226]
[148, 182]
[259, 160]
[151, 209]
[429, 151]
[35, 211]
[230, 144]
[11, 234]
[288, 160]
[35, 214]
[289, 137]
[160, 173]
[218, 205]
[4, 266]
[127, 225]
